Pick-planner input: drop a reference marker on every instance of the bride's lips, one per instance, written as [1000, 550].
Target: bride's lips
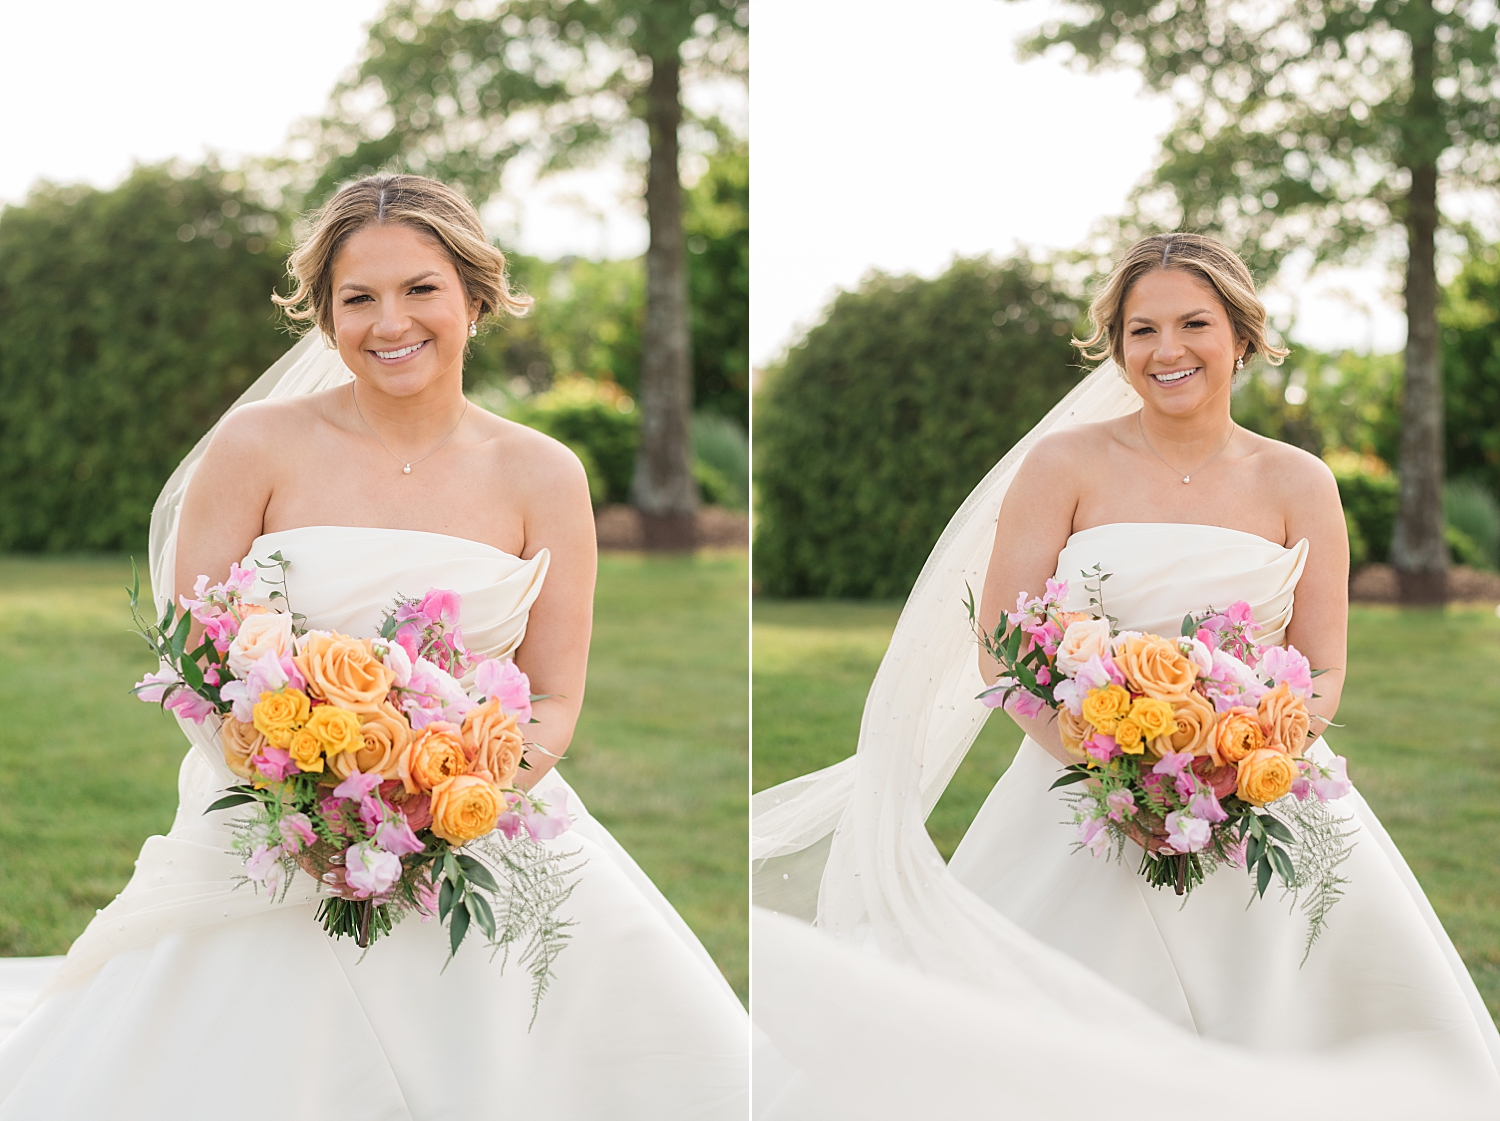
[395, 355]
[1175, 377]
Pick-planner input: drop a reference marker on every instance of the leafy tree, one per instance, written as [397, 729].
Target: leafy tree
[132, 318]
[1318, 124]
[890, 411]
[1471, 370]
[717, 224]
[459, 89]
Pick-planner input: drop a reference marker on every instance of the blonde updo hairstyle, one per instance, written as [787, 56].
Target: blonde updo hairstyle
[1212, 262]
[431, 208]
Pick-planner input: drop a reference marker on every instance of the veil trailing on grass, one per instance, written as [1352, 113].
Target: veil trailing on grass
[911, 992]
[307, 367]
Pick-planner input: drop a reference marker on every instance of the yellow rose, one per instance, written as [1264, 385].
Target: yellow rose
[465, 807]
[306, 751]
[1195, 718]
[1103, 707]
[384, 737]
[1265, 775]
[277, 715]
[1238, 734]
[1284, 719]
[1156, 667]
[335, 729]
[1073, 730]
[344, 671]
[1153, 717]
[493, 743]
[435, 755]
[1128, 736]
[241, 742]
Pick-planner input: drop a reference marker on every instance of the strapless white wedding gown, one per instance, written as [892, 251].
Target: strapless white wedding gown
[186, 998]
[1194, 998]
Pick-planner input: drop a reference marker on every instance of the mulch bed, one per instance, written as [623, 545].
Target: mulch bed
[1376, 583]
[619, 527]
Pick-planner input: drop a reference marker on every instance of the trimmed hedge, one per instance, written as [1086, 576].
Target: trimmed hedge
[132, 319]
[884, 418]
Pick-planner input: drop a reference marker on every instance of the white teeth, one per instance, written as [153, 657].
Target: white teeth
[1168, 379]
[402, 353]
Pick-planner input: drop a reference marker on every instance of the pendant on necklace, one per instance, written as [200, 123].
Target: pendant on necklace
[1185, 478]
[407, 471]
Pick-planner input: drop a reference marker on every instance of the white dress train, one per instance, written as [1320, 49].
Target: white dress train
[188, 998]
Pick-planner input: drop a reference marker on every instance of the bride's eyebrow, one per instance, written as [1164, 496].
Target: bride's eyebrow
[349, 285]
[1186, 315]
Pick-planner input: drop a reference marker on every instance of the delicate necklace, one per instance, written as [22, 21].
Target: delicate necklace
[406, 469]
[1189, 476]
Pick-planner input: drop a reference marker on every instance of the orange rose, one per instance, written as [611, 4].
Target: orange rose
[1238, 734]
[1073, 730]
[1284, 720]
[1265, 775]
[493, 743]
[435, 755]
[1195, 718]
[241, 742]
[344, 671]
[384, 737]
[465, 807]
[1156, 667]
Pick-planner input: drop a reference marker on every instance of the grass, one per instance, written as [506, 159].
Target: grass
[87, 772]
[1421, 711]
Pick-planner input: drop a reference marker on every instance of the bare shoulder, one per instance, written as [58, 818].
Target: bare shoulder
[262, 427]
[1291, 473]
[542, 469]
[1065, 450]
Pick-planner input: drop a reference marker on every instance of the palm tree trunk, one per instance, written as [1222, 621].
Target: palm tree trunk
[1419, 550]
[664, 491]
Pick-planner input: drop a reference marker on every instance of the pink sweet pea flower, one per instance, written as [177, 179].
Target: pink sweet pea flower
[1057, 592]
[441, 606]
[427, 898]
[409, 638]
[1069, 693]
[396, 659]
[1186, 833]
[1332, 781]
[190, 706]
[1302, 788]
[275, 763]
[1043, 674]
[211, 676]
[1024, 704]
[1098, 672]
[240, 580]
[263, 866]
[545, 821]
[504, 681]
[1235, 851]
[153, 687]
[1094, 836]
[357, 786]
[369, 871]
[1204, 805]
[1101, 748]
[1120, 805]
[395, 835]
[221, 630]
[1173, 763]
[296, 831]
[1288, 665]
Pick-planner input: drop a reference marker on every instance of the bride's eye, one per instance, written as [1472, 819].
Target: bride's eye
[422, 289]
[355, 299]
[1197, 323]
[1139, 331]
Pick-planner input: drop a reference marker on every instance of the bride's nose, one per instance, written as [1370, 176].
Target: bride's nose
[1169, 346]
[393, 321]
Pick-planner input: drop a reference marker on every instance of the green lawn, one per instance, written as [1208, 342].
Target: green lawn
[1422, 732]
[87, 772]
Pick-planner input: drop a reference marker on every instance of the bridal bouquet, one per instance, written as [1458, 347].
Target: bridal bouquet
[1190, 746]
[367, 761]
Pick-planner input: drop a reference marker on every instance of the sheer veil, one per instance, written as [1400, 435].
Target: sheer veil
[908, 991]
[307, 367]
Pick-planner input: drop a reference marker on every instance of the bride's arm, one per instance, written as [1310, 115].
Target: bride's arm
[1320, 618]
[1036, 519]
[555, 652]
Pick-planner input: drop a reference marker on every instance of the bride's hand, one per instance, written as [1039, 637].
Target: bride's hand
[331, 878]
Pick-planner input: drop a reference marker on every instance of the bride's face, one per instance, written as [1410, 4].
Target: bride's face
[1179, 345]
[399, 310]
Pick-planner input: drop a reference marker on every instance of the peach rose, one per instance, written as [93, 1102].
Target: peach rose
[1265, 775]
[1156, 667]
[493, 742]
[1082, 640]
[465, 808]
[1195, 718]
[335, 729]
[241, 742]
[344, 671]
[1104, 707]
[384, 737]
[1073, 730]
[435, 755]
[279, 715]
[260, 634]
[1284, 719]
[1238, 734]
[1153, 717]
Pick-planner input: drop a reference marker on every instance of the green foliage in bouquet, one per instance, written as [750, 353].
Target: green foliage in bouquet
[132, 318]
[889, 412]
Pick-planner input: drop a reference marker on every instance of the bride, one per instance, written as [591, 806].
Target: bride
[368, 471]
[1028, 979]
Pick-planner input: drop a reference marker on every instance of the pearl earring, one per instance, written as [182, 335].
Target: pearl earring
[473, 328]
[1239, 363]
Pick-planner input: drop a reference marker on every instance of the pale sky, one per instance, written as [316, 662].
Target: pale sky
[894, 135]
[92, 87]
